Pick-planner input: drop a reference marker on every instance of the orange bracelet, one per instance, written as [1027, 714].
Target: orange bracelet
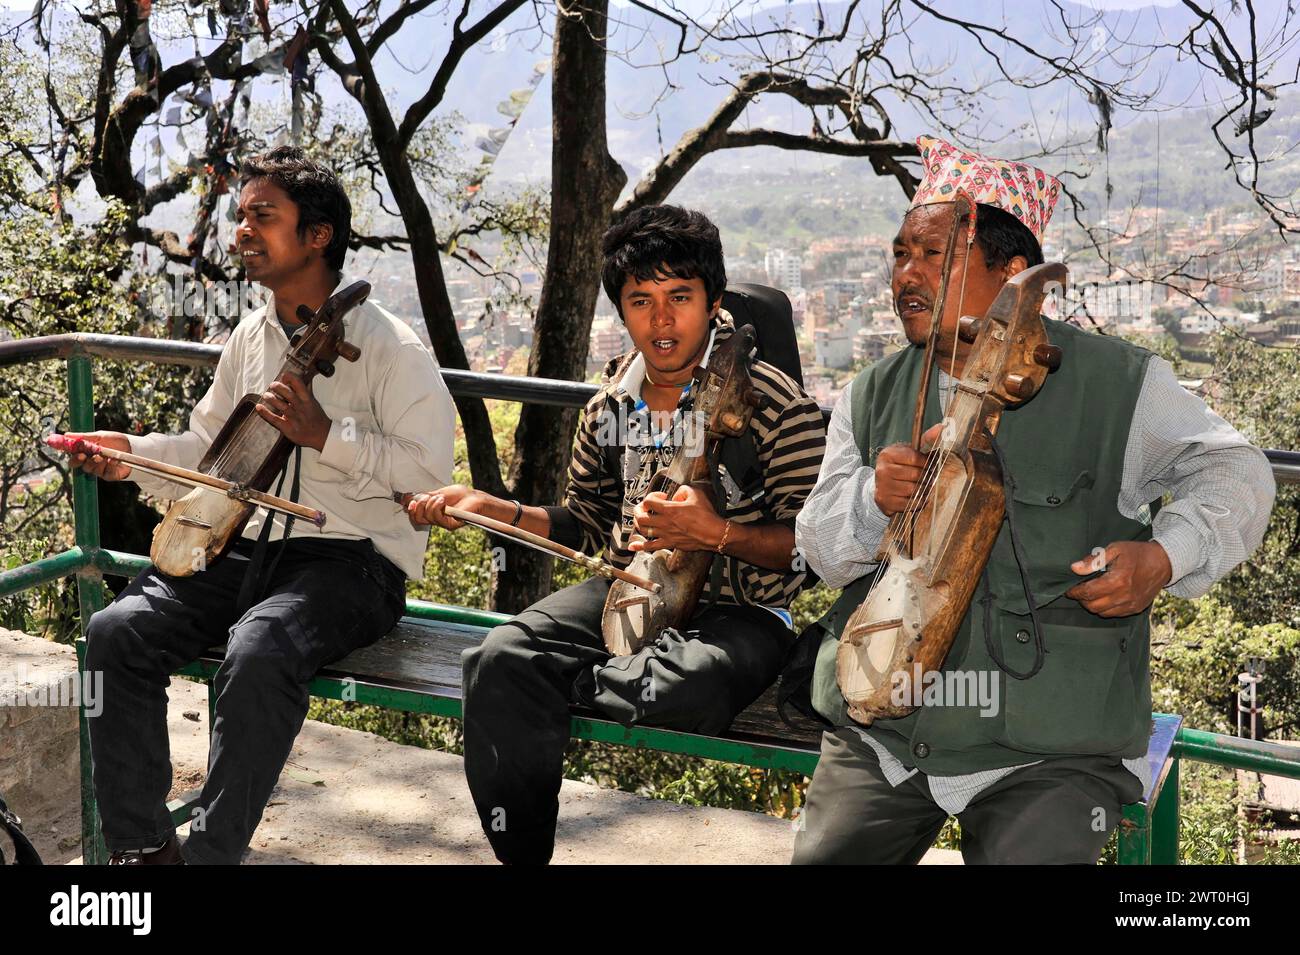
[726, 532]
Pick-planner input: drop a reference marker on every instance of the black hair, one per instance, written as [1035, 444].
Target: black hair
[314, 189]
[1001, 237]
[666, 240]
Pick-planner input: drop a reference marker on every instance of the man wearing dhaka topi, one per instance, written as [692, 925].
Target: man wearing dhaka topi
[1110, 465]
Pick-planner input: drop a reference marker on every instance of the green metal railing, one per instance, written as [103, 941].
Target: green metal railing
[1148, 830]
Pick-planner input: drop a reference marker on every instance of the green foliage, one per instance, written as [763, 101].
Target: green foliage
[811, 605]
[1164, 345]
[57, 279]
[457, 570]
[1198, 648]
[1197, 651]
[1208, 825]
[1258, 390]
[458, 566]
[40, 610]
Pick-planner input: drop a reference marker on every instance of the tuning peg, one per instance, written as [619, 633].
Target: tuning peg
[305, 314]
[326, 368]
[348, 351]
[1019, 386]
[1049, 356]
[732, 422]
[968, 328]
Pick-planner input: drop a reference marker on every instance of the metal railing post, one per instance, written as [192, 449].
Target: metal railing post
[90, 588]
[1164, 820]
[85, 492]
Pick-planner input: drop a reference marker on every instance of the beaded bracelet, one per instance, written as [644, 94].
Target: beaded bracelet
[726, 532]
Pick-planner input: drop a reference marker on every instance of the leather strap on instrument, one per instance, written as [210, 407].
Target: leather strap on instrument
[1040, 651]
[250, 588]
[720, 559]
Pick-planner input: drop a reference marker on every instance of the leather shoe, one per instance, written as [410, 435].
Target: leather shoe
[169, 854]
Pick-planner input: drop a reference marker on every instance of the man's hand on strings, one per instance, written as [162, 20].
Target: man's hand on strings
[1135, 571]
[898, 472]
[294, 411]
[106, 469]
[687, 521]
[430, 507]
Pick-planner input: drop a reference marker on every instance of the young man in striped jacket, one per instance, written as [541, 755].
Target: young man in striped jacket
[664, 271]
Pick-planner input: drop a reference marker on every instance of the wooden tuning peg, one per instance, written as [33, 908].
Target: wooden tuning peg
[1019, 386]
[1049, 356]
[348, 351]
[968, 328]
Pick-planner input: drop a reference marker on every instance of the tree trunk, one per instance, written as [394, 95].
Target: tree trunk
[585, 183]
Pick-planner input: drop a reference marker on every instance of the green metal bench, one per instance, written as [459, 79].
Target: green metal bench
[417, 667]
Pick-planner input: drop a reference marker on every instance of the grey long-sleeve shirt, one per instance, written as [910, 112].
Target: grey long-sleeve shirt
[1222, 492]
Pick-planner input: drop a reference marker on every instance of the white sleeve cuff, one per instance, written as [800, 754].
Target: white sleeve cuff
[873, 517]
[1183, 545]
[147, 445]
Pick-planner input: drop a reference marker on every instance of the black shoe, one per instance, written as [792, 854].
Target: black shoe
[169, 854]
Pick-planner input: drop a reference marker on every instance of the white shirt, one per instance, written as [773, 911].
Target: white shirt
[392, 427]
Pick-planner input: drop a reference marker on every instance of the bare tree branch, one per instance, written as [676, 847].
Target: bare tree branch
[716, 133]
[462, 40]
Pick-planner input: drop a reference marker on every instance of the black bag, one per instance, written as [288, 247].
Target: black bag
[24, 852]
[769, 311]
[794, 685]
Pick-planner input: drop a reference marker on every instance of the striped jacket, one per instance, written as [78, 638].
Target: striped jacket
[597, 514]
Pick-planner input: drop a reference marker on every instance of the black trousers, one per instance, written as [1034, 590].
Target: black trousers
[1059, 811]
[520, 681]
[325, 599]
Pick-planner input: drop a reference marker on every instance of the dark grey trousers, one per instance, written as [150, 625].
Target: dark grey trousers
[325, 599]
[1059, 811]
[520, 681]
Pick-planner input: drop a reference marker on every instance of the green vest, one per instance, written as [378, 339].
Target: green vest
[1064, 450]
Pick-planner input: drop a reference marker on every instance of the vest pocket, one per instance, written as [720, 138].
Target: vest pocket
[1082, 702]
[1050, 510]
